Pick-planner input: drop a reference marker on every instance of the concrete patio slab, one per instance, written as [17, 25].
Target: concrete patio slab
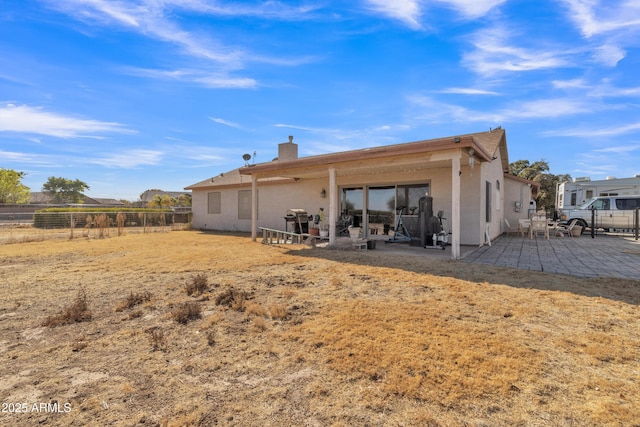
[602, 256]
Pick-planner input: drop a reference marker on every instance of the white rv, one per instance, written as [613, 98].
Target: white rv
[572, 195]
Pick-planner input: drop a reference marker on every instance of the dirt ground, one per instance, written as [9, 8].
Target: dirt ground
[191, 328]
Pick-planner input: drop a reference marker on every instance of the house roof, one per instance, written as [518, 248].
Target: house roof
[484, 144]
[231, 179]
[535, 186]
[45, 197]
[610, 181]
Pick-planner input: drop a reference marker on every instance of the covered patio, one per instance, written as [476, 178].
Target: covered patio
[368, 168]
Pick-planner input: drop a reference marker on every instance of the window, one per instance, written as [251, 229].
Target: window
[627, 204]
[214, 204]
[409, 196]
[488, 201]
[573, 199]
[589, 194]
[600, 204]
[244, 204]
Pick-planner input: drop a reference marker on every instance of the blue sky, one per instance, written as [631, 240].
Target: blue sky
[139, 94]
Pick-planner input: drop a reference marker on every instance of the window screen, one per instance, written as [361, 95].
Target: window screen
[244, 204]
[214, 203]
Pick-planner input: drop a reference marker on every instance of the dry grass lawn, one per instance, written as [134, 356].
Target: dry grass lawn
[189, 328]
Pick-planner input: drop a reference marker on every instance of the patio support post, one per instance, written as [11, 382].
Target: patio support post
[455, 206]
[254, 207]
[333, 206]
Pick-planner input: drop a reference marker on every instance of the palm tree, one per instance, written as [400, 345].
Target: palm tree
[161, 201]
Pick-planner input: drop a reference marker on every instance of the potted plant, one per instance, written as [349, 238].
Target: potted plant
[354, 232]
[323, 229]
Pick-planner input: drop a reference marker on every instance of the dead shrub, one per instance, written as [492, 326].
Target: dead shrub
[77, 312]
[135, 314]
[255, 309]
[278, 311]
[102, 222]
[134, 299]
[198, 285]
[186, 312]
[158, 339]
[233, 298]
[120, 221]
[260, 324]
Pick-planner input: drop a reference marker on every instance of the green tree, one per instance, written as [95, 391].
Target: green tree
[12, 190]
[537, 172]
[65, 190]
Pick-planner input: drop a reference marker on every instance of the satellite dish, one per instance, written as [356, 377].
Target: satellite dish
[246, 157]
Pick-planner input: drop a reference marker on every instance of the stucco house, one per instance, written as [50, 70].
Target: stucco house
[466, 175]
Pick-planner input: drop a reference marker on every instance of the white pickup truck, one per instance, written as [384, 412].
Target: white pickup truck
[611, 212]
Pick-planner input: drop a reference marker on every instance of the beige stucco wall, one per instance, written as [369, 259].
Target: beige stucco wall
[275, 199]
[515, 191]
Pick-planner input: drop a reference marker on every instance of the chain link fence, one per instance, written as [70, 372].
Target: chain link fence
[17, 227]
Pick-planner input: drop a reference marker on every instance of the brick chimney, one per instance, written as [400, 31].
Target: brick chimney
[287, 151]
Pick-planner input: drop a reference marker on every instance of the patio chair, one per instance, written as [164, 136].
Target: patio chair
[568, 230]
[523, 226]
[539, 224]
[510, 230]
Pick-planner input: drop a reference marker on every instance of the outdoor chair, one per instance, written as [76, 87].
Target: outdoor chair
[510, 230]
[539, 225]
[523, 226]
[568, 230]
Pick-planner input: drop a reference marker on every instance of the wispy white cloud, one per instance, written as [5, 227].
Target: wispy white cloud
[546, 108]
[407, 11]
[154, 19]
[307, 129]
[410, 12]
[435, 111]
[594, 17]
[618, 149]
[606, 89]
[225, 122]
[609, 54]
[148, 18]
[612, 24]
[495, 53]
[218, 80]
[468, 91]
[570, 84]
[425, 108]
[128, 159]
[472, 8]
[34, 120]
[264, 9]
[596, 132]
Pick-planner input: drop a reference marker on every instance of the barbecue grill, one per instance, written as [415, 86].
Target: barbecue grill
[299, 220]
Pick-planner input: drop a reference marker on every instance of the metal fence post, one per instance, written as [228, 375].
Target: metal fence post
[636, 222]
[593, 223]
